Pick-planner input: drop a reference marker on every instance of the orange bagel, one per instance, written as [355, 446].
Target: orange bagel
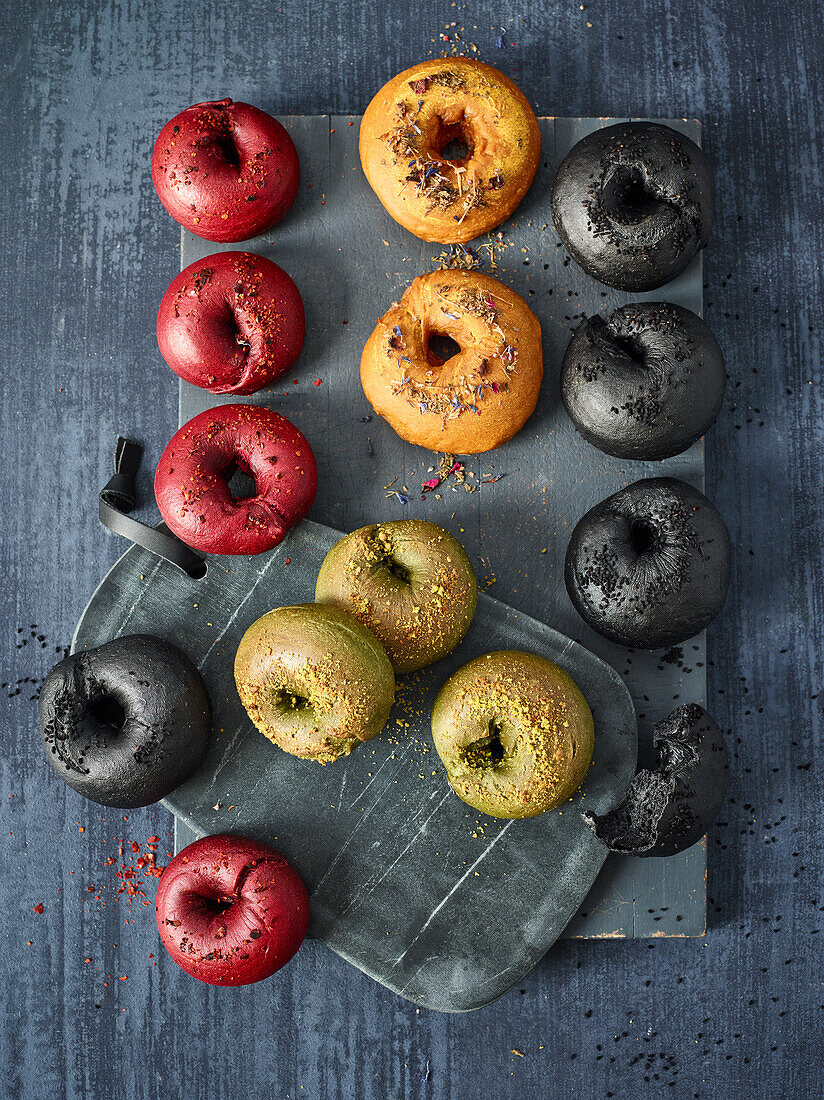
[481, 396]
[415, 117]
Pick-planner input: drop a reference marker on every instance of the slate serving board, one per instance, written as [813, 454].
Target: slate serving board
[445, 906]
[351, 261]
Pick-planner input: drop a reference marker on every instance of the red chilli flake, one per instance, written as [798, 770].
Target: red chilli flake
[135, 864]
[317, 382]
[38, 908]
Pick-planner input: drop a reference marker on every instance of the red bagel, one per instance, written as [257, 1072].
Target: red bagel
[231, 911]
[191, 483]
[226, 171]
[231, 323]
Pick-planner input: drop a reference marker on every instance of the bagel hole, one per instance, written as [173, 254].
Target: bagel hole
[108, 712]
[236, 335]
[632, 347]
[227, 150]
[454, 142]
[240, 483]
[386, 557]
[441, 347]
[213, 906]
[290, 700]
[488, 751]
[393, 566]
[241, 341]
[455, 150]
[626, 197]
[643, 536]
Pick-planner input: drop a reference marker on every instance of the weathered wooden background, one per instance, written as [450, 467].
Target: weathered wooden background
[85, 88]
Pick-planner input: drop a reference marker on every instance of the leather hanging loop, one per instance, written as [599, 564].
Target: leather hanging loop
[121, 491]
[119, 497]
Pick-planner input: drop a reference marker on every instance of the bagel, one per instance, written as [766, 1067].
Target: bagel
[450, 147]
[474, 400]
[633, 203]
[231, 911]
[231, 323]
[225, 171]
[649, 566]
[314, 680]
[514, 733]
[127, 722]
[192, 480]
[670, 807]
[409, 581]
[645, 383]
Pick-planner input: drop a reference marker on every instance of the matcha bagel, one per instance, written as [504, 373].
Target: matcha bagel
[409, 581]
[514, 733]
[314, 680]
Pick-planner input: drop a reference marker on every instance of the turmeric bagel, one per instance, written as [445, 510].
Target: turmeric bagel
[450, 147]
[473, 400]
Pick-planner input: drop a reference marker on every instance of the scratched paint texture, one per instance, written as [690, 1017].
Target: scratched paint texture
[85, 88]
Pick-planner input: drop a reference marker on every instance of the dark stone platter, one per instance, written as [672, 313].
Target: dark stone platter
[446, 906]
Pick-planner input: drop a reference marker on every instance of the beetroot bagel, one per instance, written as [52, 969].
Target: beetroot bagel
[231, 323]
[231, 911]
[226, 171]
[192, 480]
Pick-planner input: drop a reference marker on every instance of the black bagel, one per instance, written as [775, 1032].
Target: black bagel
[645, 383]
[126, 723]
[667, 809]
[633, 203]
[649, 566]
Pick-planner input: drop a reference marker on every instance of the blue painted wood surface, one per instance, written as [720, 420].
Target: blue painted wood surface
[86, 86]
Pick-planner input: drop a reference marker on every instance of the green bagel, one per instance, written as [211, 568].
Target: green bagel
[514, 733]
[314, 680]
[410, 582]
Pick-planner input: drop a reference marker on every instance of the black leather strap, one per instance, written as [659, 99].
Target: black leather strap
[119, 497]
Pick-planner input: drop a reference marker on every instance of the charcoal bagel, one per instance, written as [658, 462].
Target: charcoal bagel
[633, 203]
[645, 382]
[126, 723]
[649, 566]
